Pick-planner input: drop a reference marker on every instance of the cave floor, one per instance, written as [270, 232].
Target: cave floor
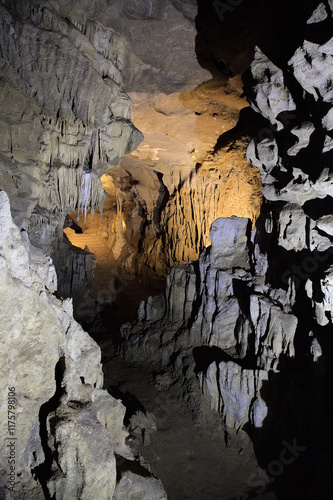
[190, 457]
[188, 451]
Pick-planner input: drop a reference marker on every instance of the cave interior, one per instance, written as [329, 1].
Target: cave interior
[166, 249]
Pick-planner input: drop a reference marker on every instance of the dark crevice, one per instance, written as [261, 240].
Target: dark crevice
[43, 472]
[198, 297]
[206, 355]
[133, 466]
[249, 124]
[131, 403]
[318, 207]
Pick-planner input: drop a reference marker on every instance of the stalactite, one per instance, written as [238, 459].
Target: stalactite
[91, 193]
[120, 238]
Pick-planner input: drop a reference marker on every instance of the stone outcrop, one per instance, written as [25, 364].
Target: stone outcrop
[65, 121]
[65, 116]
[69, 121]
[252, 319]
[219, 315]
[60, 430]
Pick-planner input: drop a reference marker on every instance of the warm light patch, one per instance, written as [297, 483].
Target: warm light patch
[224, 185]
[108, 184]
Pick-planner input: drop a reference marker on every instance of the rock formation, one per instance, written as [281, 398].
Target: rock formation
[223, 319]
[250, 323]
[65, 120]
[64, 71]
[247, 326]
[60, 430]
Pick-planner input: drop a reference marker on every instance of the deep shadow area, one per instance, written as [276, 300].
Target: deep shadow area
[134, 466]
[206, 355]
[249, 125]
[295, 442]
[226, 35]
[43, 472]
[105, 328]
[131, 403]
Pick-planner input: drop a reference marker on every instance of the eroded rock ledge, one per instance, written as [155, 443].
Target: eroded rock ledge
[67, 429]
[250, 323]
[219, 319]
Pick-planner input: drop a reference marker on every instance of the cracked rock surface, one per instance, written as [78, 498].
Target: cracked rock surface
[67, 429]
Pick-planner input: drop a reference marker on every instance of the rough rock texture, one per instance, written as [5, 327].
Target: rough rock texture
[222, 186]
[255, 331]
[161, 211]
[220, 318]
[132, 487]
[150, 230]
[65, 120]
[66, 428]
[119, 32]
[294, 155]
[58, 99]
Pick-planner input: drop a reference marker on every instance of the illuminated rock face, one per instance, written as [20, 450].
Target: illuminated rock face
[296, 173]
[163, 202]
[51, 370]
[248, 328]
[66, 120]
[64, 114]
[64, 111]
[222, 186]
[223, 319]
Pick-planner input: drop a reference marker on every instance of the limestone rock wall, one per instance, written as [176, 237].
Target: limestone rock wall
[294, 159]
[251, 321]
[59, 428]
[65, 119]
[52, 366]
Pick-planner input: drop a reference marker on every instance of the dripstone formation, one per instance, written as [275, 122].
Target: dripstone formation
[247, 327]
[66, 120]
[250, 323]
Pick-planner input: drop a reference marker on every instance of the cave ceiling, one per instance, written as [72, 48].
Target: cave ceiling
[141, 91]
